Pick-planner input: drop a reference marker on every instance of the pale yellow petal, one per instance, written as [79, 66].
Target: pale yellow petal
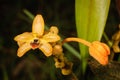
[24, 37]
[23, 49]
[54, 30]
[116, 36]
[20, 43]
[38, 25]
[50, 37]
[46, 48]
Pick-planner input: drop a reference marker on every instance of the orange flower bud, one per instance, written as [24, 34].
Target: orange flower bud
[97, 50]
[57, 50]
[100, 52]
[59, 64]
[67, 69]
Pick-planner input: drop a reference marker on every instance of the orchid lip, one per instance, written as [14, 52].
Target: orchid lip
[36, 40]
[35, 44]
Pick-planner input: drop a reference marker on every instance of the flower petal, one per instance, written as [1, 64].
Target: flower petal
[38, 25]
[23, 49]
[102, 49]
[46, 48]
[95, 54]
[106, 47]
[54, 29]
[116, 36]
[50, 37]
[20, 43]
[24, 37]
[100, 52]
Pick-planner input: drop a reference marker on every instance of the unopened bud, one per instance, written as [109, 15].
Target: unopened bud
[100, 52]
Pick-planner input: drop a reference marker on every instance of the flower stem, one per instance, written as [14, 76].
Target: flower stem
[77, 40]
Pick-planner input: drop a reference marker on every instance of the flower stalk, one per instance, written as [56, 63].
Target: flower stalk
[77, 40]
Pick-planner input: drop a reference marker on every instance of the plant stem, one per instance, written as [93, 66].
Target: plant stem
[73, 77]
[5, 75]
[77, 40]
[107, 39]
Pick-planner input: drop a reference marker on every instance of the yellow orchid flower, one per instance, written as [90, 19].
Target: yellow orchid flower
[37, 38]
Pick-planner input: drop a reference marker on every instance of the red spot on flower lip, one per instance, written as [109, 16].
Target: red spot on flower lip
[34, 45]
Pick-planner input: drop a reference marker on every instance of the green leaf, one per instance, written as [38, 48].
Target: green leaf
[91, 18]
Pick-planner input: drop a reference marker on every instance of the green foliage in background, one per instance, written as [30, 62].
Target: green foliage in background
[91, 18]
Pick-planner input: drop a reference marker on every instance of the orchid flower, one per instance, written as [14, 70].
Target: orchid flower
[37, 38]
[97, 50]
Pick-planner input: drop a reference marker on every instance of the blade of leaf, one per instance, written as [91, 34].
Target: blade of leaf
[91, 17]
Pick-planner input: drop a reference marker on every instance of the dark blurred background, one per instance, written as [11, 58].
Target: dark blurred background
[34, 65]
